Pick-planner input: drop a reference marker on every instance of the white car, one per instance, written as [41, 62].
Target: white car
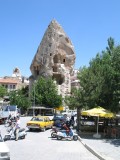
[4, 150]
[70, 113]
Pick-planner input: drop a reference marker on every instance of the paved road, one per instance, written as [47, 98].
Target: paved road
[40, 146]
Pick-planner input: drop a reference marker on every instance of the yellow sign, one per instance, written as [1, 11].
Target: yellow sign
[60, 108]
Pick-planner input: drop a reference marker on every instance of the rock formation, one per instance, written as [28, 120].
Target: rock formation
[55, 57]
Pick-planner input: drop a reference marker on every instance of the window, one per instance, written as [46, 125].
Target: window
[10, 86]
[6, 86]
[63, 60]
[14, 86]
[37, 72]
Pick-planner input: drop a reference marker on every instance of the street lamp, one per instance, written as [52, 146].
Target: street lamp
[34, 99]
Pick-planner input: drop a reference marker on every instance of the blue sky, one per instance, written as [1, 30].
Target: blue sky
[88, 23]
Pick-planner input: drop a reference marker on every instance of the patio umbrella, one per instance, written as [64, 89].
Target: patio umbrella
[98, 112]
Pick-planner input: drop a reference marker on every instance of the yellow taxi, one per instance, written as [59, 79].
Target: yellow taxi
[40, 122]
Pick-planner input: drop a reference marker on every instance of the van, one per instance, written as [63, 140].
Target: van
[73, 112]
[9, 110]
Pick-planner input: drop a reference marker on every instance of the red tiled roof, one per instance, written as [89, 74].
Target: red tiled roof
[8, 81]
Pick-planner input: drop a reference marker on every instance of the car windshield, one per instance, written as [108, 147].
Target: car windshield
[37, 119]
[10, 108]
[58, 117]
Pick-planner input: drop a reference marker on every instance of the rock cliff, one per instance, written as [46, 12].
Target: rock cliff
[55, 57]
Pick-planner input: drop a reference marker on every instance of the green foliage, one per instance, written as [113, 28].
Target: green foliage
[3, 91]
[76, 99]
[100, 82]
[115, 80]
[45, 93]
[20, 98]
[111, 45]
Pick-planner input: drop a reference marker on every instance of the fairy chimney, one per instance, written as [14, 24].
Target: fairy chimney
[55, 57]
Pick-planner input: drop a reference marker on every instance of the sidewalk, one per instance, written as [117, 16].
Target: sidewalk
[104, 149]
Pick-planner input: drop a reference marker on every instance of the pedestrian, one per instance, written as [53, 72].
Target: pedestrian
[68, 121]
[17, 128]
[72, 120]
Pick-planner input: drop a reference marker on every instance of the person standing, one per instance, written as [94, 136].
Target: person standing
[17, 128]
[72, 121]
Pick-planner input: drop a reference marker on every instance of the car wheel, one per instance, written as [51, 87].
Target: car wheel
[23, 137]
[7, 137]
[30, 129]
[43, 129]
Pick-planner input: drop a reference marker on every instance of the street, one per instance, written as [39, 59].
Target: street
[40, 146]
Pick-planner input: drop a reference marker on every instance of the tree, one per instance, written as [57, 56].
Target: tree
[115, 80]
[20, 98]
[3, 91]
[111, 45]
[76, 100]
[101, 80]
[44, 92]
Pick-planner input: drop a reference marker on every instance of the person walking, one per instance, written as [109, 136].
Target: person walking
[17, 128]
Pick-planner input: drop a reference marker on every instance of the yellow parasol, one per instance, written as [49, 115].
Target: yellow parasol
[98, 112]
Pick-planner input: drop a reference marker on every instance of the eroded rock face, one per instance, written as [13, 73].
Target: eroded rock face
[55, 58]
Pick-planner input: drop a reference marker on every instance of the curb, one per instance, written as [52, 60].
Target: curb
[91, 150]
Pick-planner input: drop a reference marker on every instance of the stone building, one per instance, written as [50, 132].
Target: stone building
[14, 82]
[55, 57]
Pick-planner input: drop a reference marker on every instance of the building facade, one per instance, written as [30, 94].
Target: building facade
[15, 81]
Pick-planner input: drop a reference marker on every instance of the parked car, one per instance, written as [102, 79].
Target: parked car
[4, 150]
[70, 113]
[58, 120]
[40, 122]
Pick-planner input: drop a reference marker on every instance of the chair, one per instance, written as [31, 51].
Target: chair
[107, 132]
[114, 133]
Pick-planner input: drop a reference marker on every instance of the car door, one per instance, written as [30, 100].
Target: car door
[49, 122]
[46, 122]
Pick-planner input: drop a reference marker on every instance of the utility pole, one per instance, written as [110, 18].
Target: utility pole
[34, 99]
